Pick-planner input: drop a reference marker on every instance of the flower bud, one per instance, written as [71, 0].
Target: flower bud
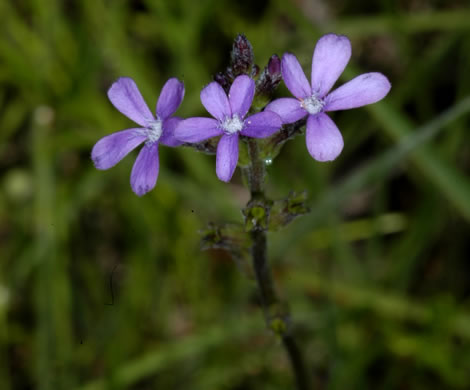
[223, 80]
[274, 66]
[242, 56]
[270, 77]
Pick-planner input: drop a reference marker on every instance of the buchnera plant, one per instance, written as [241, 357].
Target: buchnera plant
[243, 114]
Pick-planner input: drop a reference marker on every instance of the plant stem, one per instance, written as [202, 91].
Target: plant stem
[297, 362]
[257, 170]
[276, 314]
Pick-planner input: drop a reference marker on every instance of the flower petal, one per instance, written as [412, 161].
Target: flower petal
[288, 109]
[197, 129]
[170, 98]
[215, 100]
[262, 125]
[330, 57]
[168, 136]
[126, 97]
[324, 141]
[241, 95]
[365, 89]
[294, 77]
[145, 170]
[227, 157]
[109, 150]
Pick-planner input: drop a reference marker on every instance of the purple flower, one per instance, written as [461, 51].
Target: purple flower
[109, 150]
[230, 122]
[330, 57]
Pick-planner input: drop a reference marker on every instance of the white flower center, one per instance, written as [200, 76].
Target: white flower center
[312, 104]
[154, 131]
[232, 125]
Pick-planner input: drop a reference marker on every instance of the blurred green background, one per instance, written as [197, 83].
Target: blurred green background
[100, 289]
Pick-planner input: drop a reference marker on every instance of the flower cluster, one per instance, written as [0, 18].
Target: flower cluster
[231, 119]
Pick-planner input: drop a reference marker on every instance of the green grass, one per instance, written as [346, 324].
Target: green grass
[377, 275]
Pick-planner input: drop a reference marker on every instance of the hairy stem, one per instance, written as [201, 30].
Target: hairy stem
[276, 314]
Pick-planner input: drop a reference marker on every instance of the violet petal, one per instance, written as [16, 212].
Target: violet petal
[145, 170]
[294, 77]
[227, 157]
[262, 125]
[241, 95]
[168, 136]
[365, 89]
[109, 150]
[197, 129]
[126, 97]
[289, 109]
[330, 57]
[324, 141]
[170, 98]
[215, 100]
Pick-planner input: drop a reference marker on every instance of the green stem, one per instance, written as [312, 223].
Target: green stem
[277, 317]
[257, 170]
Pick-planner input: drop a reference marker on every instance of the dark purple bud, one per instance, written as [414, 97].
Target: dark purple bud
[220, 78]
[270, 77]
[242, 56]
[274, 65]
[223, 80]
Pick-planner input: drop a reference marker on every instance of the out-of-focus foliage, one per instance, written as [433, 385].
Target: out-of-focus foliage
[100, 289]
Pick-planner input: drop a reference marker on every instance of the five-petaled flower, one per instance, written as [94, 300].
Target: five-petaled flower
[230, 122]
[330, 57]
[155, 130]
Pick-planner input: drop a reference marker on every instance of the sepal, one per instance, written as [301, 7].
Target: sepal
[256, 215]
[284, 211]
[233, 239]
